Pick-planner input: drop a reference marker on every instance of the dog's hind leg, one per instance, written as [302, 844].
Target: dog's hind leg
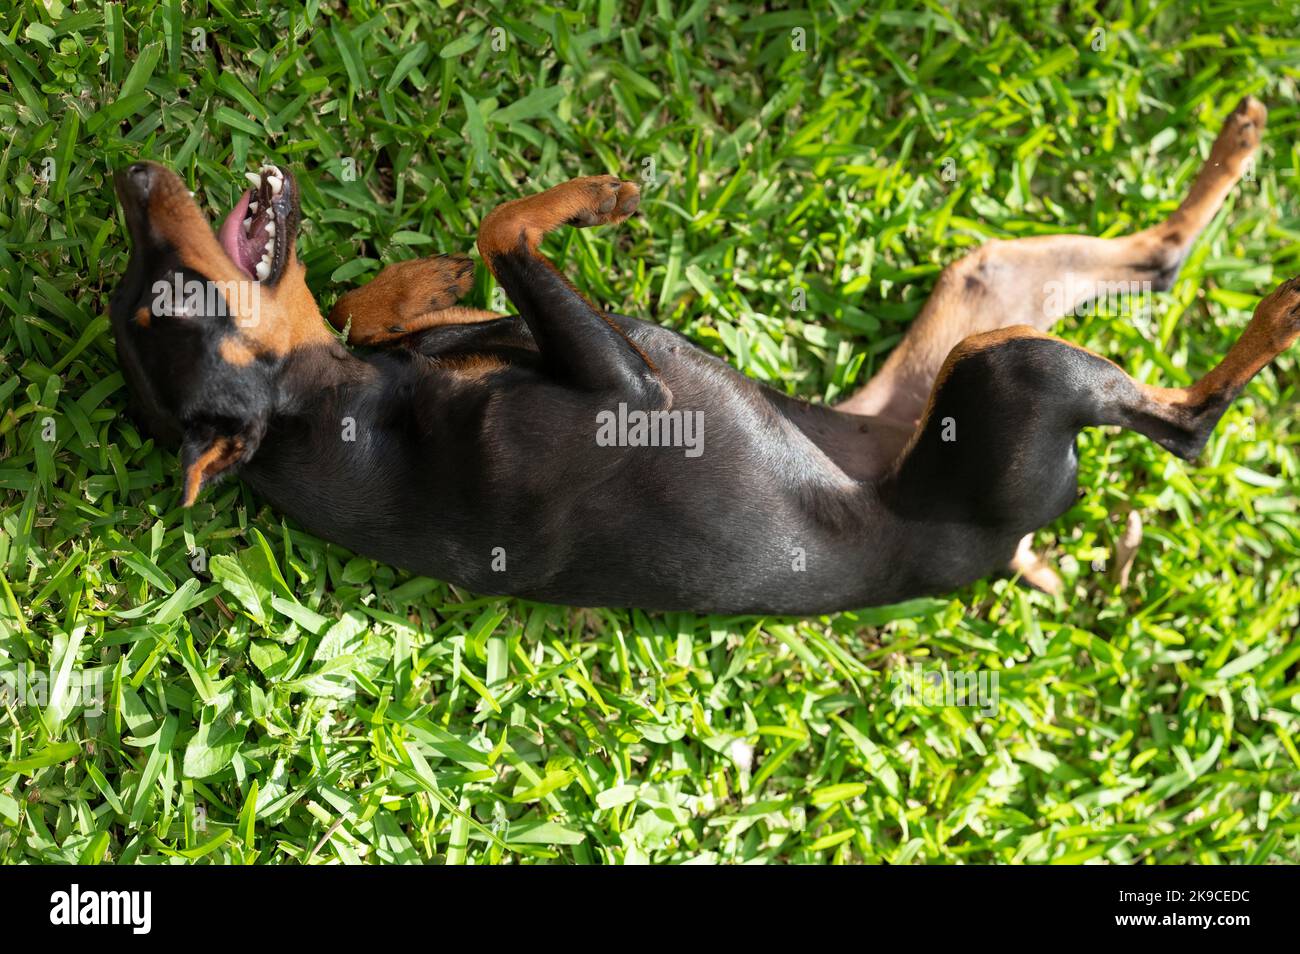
[994, 457]
[579, 344]
[1036, 281]
[408, 297]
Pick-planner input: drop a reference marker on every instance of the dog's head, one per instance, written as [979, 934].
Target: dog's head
[204, 321]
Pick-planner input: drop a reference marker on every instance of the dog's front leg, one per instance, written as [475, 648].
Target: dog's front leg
[409, 297]
[580, 345]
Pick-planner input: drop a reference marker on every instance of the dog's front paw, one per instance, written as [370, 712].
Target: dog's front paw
[598, 200]
[437, 282]
[401, 293]
[521, 223]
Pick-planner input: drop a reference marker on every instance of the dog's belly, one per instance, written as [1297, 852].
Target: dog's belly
[637, 540]
[717, 501]
[733, 499]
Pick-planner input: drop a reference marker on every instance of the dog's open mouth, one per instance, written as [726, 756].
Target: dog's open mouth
[259, 231]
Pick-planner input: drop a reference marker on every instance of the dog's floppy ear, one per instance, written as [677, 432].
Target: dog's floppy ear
[209, 452]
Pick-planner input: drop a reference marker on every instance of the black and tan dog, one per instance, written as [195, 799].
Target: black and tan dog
[466, 445]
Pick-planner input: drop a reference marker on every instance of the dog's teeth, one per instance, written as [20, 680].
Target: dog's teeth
[254, 178]
[248, 223]
[270, 229]
[252, 207]
[276, 184]
[263, 270]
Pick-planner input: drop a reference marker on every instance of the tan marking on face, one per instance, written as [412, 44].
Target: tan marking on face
[287, 316]
[271, 319]
[142, 316]
[223, 452]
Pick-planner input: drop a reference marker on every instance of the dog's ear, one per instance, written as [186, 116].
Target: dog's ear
[210, 452]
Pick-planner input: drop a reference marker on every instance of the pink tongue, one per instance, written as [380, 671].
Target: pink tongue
[232, 237]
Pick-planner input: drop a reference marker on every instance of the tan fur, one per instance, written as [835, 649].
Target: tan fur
[456, 315]
[1273, 328]
[1005, 290]
[520, 224]
[471, 366]
[1034, 570]
[1011, 283]
[287, 317]
[406, 297]
[592, 200]
[222, 453]
[236, 351]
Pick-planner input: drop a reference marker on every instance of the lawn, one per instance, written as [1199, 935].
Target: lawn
[215, 685]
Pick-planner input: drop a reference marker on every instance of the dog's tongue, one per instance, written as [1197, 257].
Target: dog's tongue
[234, 240]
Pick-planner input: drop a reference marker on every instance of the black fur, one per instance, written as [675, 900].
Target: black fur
[474, 457]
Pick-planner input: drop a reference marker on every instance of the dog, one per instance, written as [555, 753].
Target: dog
[576, 456]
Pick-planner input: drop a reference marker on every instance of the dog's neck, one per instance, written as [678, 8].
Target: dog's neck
[321, 366]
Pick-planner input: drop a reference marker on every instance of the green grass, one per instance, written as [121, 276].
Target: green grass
[292, 703]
